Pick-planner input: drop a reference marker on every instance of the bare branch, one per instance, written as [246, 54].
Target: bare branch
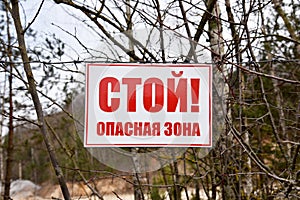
[35, 16]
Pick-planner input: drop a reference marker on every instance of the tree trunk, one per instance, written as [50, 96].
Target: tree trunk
[129, 29]
[10, 143]
[35, 98]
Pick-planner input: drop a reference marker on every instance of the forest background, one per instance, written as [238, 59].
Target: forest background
[253, 44]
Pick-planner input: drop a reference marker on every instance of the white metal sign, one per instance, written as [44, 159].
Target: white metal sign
[153, 105]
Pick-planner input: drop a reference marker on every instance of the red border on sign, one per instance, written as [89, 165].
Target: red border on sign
[147, 144]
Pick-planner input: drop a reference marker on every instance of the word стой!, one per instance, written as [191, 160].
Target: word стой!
[153, 94]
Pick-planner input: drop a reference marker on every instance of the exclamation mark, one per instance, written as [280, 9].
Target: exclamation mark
[195, 90]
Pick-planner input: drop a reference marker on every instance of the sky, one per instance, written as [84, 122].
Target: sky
[43, 25]
[51, 17]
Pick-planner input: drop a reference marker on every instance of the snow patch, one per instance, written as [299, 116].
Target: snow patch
[22, 189]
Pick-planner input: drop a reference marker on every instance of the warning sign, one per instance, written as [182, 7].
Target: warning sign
[154, 105]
